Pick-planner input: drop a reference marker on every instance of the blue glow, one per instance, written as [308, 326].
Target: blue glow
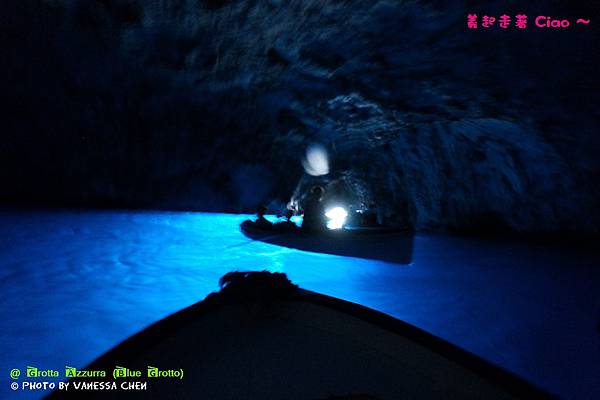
[296, 219]
[74, 284]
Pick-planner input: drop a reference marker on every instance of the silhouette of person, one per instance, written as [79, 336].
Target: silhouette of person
[370, 216]
[314, 212]
[261, 221]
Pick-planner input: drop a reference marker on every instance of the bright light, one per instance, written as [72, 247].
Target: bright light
[337, 217]
[316, 162]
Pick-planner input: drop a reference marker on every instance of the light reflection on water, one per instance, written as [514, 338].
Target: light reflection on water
[74, 284]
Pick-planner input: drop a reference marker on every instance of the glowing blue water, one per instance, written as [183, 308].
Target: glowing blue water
[74, 284]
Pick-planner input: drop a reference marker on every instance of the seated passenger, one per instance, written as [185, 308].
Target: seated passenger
[371, 216]
[261, 221]
[314, 212]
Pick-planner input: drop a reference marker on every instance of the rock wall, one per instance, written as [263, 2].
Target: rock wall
[209, 105]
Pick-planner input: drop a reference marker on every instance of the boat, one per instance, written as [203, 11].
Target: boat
[378, 243]
[262, 337]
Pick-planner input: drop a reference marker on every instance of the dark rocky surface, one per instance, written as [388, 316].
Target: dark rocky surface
[210, 105]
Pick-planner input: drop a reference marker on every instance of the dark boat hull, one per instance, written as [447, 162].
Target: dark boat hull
[382, 244]
[264, 340]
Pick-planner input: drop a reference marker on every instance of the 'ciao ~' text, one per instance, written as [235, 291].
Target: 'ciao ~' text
[522, 21]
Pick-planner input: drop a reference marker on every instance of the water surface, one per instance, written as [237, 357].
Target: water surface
[74, 284]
